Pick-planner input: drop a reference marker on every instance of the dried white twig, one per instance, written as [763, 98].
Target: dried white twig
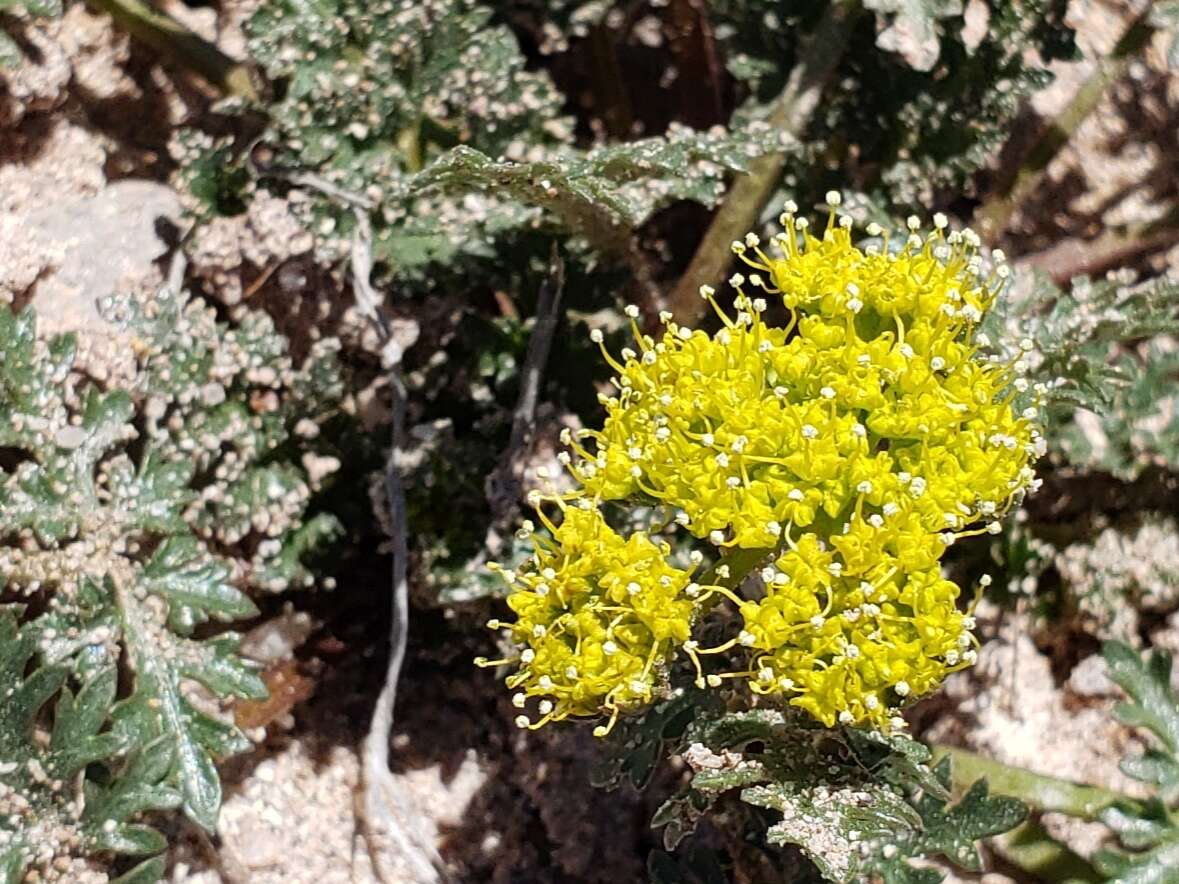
[387, 821]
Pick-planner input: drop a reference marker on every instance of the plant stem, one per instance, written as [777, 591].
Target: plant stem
[994, 215]
[749, 193]
[173, 40]
[610, 84]
[1033, 851]
[1039, 791]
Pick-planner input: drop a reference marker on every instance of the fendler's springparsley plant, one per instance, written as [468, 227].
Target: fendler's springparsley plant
[838, 455]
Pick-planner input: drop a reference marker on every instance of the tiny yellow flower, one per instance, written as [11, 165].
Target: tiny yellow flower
[598, 616]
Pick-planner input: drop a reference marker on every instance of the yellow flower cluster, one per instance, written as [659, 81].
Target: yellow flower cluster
[844, 448]
[598, 616]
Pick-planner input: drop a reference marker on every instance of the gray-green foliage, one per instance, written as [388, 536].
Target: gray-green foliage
[10, 51]
[427, 113]
[855, 804]
[920, 99]
[1105, 354]
[114, 507]
[1129, 571]
[1148, 830]
[373, 93]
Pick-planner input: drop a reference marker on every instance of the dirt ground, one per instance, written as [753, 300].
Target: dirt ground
[84, 138]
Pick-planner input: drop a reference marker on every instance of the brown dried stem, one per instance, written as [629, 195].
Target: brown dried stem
[995, 214]
[750, 192]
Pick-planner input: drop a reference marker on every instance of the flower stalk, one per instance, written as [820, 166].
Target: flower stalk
[750, 192]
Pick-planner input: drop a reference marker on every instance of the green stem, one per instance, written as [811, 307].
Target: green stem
[994, 215]
[1039, 791]
[791, 112]
[1034, 852]
[173, 40]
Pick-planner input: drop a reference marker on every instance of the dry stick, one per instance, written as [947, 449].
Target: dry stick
[386, 819]
[790, 114]
[1079, 257]
[995, 214]
[503, 485]
[173, 40]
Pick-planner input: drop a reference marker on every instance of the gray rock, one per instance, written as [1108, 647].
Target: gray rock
[106, 244]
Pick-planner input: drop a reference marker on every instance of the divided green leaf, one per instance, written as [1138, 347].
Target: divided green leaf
[854, 803]
[1149, 830]
[117, 540]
